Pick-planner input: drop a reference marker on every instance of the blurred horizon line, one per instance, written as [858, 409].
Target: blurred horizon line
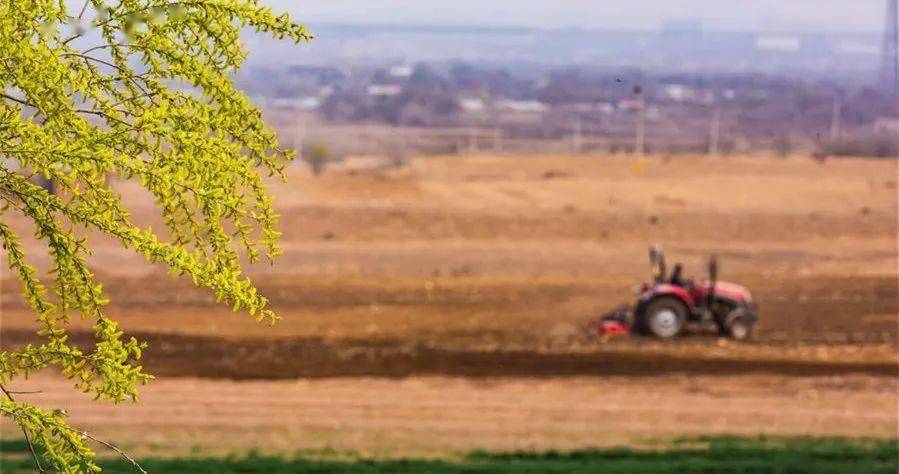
[456, 26]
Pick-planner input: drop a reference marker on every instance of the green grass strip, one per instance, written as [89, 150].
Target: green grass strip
[689, 455]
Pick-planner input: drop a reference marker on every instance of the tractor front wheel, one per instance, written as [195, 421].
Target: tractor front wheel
[738, 325]
[663, 317]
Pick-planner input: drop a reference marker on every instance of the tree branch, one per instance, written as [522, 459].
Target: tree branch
[121, 453]
[34, 457]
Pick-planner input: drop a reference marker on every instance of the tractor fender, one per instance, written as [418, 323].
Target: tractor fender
[675, 291]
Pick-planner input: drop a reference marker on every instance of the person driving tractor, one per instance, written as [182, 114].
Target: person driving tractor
[677, 276]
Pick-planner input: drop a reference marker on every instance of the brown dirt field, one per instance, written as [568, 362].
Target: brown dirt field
[437, 416]
[492, 255]
[487, 268]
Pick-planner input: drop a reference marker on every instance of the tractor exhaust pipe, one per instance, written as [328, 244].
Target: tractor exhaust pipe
[713, 281]
[657, 264]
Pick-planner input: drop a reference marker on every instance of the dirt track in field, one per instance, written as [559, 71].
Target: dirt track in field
[471, 327]
[289, 358]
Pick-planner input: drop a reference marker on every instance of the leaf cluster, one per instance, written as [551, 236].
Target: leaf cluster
[138, 90]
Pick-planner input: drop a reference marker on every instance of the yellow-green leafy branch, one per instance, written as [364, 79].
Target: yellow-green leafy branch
[146, 96]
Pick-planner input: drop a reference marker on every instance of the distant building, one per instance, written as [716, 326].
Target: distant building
[472, 105]
[679, 92]
[401, 72]
[309, 103]
[522, 106]
[384, 90]
[886, 126]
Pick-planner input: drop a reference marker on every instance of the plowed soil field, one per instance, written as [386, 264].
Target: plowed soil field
[453, 277]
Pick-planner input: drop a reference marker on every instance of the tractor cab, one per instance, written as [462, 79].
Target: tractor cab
[659, 270]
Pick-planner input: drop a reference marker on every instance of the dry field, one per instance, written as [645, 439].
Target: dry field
[486, 268]
[440, 416]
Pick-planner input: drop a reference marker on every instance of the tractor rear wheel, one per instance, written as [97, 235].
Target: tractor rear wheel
[663, 317]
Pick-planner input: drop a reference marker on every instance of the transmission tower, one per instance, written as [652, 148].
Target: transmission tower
[889, 74]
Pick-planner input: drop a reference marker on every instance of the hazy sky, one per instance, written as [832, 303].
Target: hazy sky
[830, 15]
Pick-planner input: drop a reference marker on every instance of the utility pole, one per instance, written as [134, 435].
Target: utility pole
[715, 132]
[889, 74]
[300, 130]
[498, 145]
[577, 136]
[640, 147]
[836, 118]
[404, 139]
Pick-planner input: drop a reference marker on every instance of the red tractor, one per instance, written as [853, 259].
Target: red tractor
[670, 302]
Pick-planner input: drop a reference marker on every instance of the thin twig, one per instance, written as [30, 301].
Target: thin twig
[98, 113]
[25, 433]
[17, 100]
[83, 9]
[40, 468]
[121, 453]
